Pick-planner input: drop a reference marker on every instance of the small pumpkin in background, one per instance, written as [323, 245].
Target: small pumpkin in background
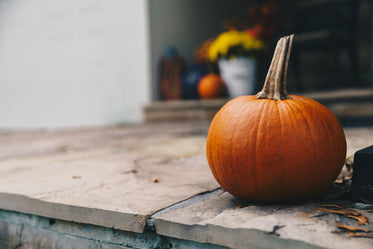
[275, 147]
[212, 86]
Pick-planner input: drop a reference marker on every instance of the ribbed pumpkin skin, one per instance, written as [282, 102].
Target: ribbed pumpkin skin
[275, 151]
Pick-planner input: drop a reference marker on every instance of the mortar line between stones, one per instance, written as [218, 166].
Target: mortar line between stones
[184, 203]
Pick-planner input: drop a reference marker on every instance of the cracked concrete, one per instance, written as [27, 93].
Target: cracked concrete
[24, 231]
[107, 178]
[285, 225]
[197, 198]
[103, 177]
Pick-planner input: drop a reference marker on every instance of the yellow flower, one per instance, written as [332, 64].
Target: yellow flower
[221, 45]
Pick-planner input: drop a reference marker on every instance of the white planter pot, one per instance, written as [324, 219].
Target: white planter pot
[239, 75]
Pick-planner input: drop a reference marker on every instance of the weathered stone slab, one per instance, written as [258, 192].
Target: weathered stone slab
[117, 177]
[41, 142]
[25, 231]
[113, 178]
[222, 220]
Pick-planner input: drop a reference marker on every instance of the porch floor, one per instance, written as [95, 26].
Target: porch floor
[145, 186]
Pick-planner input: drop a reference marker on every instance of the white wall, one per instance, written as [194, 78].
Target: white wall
[73, 63]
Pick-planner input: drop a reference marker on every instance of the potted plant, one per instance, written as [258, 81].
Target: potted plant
[236, 51]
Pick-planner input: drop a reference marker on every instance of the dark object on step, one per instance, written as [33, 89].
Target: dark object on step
[362, 179]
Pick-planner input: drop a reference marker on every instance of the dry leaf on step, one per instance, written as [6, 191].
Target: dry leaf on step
[366, 235]
[354, 229]
[361, 220]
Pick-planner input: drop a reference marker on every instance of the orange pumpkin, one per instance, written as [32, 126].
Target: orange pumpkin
[273, 147]
[211, 86]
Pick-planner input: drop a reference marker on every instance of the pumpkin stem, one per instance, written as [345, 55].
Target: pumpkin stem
[275, 82]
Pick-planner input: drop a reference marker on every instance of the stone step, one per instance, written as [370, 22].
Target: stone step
[351, 106]
[146, 186]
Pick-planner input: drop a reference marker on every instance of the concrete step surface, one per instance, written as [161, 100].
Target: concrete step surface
[144, 186]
